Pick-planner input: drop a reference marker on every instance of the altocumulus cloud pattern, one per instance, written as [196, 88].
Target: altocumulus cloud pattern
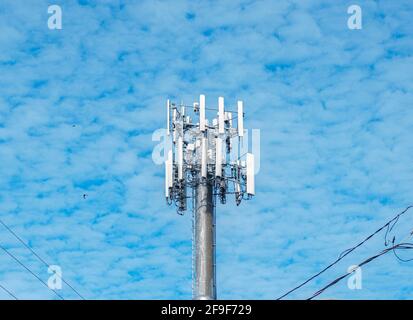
[78, 107]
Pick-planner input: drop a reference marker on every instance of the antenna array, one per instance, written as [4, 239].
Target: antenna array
[202, 152]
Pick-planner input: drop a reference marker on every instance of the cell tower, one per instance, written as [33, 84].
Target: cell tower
[204, 162]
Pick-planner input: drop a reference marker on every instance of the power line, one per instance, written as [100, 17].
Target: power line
[8, 292]
[25, 267]
[389, 225]
[38, 257]
[395, 251]
[405, 246]
[401, 259]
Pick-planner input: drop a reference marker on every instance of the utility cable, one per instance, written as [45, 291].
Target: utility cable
[25, 267]
[8, 292]
[389, 225]
[38, 257]
[404, 246]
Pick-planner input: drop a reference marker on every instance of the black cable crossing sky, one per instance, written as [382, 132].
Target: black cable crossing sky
[8, 292]
[405, 246]
[28, 269]
[38, 257]
[388, 226]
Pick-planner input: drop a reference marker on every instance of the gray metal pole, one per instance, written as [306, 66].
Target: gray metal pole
[204, 237]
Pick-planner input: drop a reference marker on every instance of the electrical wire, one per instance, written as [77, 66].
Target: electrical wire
[399, 258]
[28, 269]
[395, 250]
[389, 225]
[400, 246]
[38, 257]
[8, 292]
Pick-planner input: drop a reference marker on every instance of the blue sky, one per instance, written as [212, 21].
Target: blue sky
[78, 107]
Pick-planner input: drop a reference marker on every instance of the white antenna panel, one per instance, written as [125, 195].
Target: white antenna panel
[183, 112]
[204, 154]
[167, 178]
[209, 154]
[250, 174]
[218, 157]
[237, 187]
[190, 147]
[221, 115]
[167, 117]
[174, 121]
[240, 119]
[174, 114]
[228, 117]
[202, 112]
[180, 158]
[170, 169]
